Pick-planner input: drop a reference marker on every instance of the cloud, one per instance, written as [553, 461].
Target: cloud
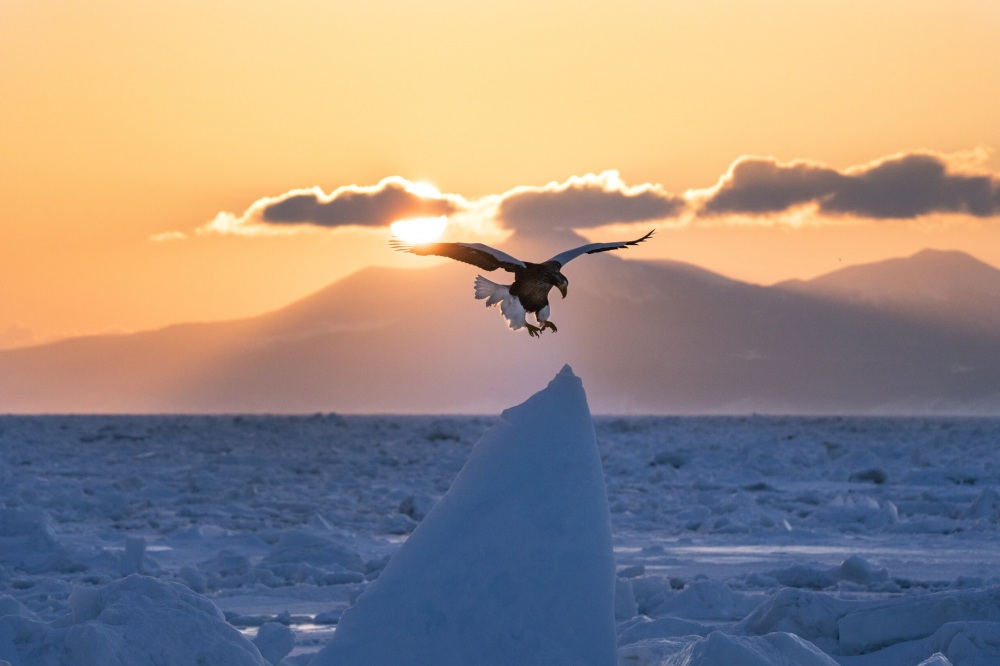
[585, 201]
[582, 201]
[755, 190]
[913, 185]
[760, 185]
[393, 199]
[903, 186]
[168, 236]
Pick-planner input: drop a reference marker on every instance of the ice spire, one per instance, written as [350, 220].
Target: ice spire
[513, 566]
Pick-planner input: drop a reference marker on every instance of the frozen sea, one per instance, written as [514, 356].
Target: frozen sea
[877, 540]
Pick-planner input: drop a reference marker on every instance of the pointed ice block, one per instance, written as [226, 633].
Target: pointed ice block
[514, 564]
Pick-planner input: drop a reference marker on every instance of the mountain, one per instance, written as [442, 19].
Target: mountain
[947, 287]
[645, 336]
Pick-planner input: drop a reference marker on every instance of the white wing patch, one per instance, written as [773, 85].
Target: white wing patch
[563, 257]
[510, 306]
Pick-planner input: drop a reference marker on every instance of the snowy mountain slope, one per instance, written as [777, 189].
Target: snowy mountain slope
[652, 337]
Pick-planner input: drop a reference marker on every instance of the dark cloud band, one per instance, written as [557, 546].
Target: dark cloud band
[903, 186]
[900, 187]
[590, 201]
[355, 206]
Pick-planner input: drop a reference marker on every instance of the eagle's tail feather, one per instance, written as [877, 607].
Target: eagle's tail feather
[510, 306]
[493, 293]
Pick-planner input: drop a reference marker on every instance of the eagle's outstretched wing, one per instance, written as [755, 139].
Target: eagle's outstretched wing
[563, 257]
[477, 254]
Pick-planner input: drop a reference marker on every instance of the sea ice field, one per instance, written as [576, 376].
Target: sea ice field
[736, 540]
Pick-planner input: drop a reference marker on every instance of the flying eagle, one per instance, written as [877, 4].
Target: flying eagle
[530, 290]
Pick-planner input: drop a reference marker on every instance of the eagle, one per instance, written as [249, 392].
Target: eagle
[530, 290]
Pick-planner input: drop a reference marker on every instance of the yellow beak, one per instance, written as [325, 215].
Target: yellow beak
[562, 289]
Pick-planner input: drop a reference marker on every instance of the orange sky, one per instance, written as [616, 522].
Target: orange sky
[123, 122]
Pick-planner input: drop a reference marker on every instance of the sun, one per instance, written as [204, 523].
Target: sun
[419, 230]
[424, 189]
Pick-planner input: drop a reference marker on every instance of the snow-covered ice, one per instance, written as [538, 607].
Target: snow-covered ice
[246, 539]
[513, 566]
[133, 621]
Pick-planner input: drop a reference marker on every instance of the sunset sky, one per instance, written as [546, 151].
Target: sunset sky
[163, 162]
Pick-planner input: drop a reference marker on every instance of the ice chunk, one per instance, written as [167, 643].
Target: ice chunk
[275, 641]
[973, 643]
[514, 564]
[132, 558]
[776, 649]
[135, 621]
[986, 505]
[297, 546]
[192, 578]
[707, 600]
[11, 606]
[650, 592]
[417, 506]
[908, 618]
[625, 606]
[28, 540]
[807, 614]
[661, 627]
[859, 570]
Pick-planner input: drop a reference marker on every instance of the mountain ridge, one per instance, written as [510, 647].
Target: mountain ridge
[646, 337]
[949, 287]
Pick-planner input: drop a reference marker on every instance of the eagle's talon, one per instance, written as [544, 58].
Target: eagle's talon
[534, 331]
[549, 324]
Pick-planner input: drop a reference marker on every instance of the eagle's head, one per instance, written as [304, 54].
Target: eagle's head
[548, 275]
[561, 284]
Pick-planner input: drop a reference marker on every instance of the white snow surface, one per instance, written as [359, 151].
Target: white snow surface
[514, 565]
[750, 540]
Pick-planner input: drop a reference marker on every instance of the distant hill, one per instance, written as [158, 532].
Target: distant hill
[948, 287]
[645, 337]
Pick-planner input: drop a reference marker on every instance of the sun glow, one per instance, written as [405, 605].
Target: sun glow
[424, 189]
[420, 230]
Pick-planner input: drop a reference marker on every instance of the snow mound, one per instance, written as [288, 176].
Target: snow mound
[28, 540]
[135, 621]
[513, 565]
